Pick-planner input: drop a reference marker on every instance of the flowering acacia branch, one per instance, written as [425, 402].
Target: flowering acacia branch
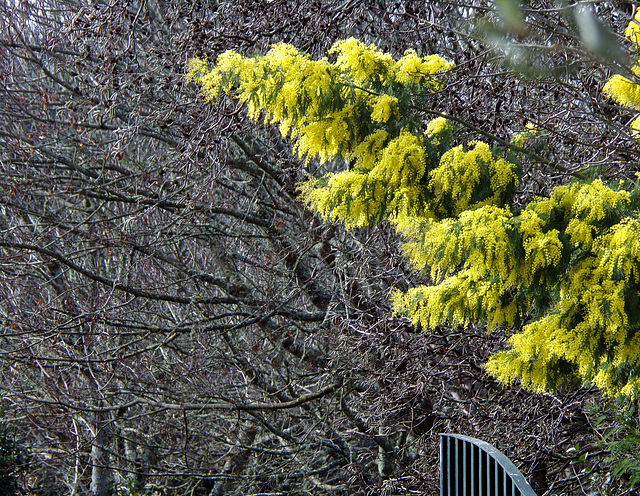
[563, 271]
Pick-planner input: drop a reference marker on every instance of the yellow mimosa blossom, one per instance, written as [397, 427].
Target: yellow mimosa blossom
[542, 250]
[623, 91]
[385, 183]
[529, 357]
[520, 138]
[402, 161]
[619, 251]
[467, 178]
[478, 243]
[384, 107]
[317, 103]
[619, 88]
[363, 62]
[367, 153]
[440, 131]
[411, 68]
[633, 29]
[562, 271]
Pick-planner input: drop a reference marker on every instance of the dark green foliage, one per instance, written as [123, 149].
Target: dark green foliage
[14, 461]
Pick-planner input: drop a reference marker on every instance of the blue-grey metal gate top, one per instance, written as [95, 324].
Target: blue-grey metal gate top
[470, 467]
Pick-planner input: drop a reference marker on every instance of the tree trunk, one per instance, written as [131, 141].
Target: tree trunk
[99, 460]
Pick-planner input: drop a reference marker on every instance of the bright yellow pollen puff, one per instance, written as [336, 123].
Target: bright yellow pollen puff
[197, 70]
[385, 183]
[605, 310]
[439, 125]
[592, 203]
[530, 356]
[384, 107]
[579, 278]
[521, 138]
[361, 61]
[630, 353]
[412, 68]
[488, 241]
[400, 169]
[325, 138]
[456, 180]
[580, 233]
[438, 246]
[622, 90]
[460, 299]
[283, 55]
[585, 205]
[440, 130]
[472, 258]
[477, 240]
[434, 305]
[633, 29]
[367, 153]
[542, 249]
[619, 251]
[341, 197]
[402, 162]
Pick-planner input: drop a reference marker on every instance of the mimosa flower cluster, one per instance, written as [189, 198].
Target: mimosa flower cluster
[561, 273]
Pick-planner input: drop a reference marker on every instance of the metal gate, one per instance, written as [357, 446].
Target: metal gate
[470, 467]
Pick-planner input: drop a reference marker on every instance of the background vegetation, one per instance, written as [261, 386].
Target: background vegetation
[174, 321]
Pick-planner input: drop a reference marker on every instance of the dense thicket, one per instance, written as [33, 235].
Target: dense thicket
[174, 320]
